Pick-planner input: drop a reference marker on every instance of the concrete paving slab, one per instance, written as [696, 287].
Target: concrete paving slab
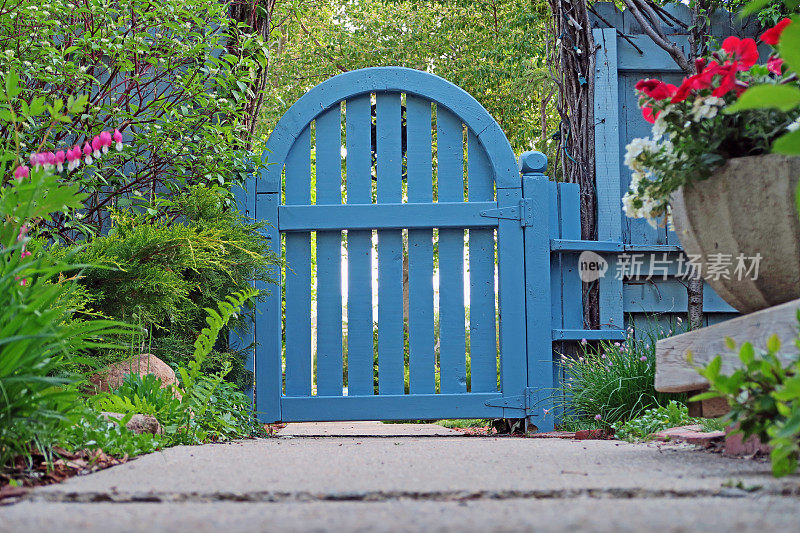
[355, 465]
[364, 429]
[410, 483]
[578, 514]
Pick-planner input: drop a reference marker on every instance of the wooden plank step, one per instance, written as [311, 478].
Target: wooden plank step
[675, 374]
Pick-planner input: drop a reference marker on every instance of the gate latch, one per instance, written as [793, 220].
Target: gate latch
[522, 212]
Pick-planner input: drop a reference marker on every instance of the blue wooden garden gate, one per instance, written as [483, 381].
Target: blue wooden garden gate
[405, 162]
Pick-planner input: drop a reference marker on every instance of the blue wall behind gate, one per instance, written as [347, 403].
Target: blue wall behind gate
[642, 303]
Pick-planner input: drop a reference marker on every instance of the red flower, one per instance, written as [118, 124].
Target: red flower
[773, 35]
[683, 91]
[699, 64]
[774, 65]
[743, 52]
[656, 89]
[649, 115]
[727, 83]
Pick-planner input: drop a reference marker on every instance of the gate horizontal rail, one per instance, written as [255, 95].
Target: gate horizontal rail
[385, 216]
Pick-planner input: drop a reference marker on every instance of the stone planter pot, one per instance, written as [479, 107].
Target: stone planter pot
[746, 207]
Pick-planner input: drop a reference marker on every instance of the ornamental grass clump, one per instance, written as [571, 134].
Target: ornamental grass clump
[731, 107]
[611, 382]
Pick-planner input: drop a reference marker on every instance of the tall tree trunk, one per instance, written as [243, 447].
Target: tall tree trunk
[572, 68]
[694, 288]
[257, 17]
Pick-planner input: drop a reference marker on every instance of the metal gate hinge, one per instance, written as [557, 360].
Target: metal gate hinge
[525, 402]
[522, 212]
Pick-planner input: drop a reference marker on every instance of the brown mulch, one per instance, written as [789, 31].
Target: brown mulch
[273, 429]
[39, 472]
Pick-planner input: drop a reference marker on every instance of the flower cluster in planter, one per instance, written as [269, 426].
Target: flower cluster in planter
[712, 117]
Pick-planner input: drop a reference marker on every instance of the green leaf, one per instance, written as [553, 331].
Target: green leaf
[12, 85]
[781, 97]
[712, 370]
[789, 45]
[729, 342]
[773, 343]
[705, 396]
[755, 6]
[746, 353]
[788, 144]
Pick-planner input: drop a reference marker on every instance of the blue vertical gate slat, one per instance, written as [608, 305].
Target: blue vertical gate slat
[511, 285]
[360, 364]
[329, 277]
[452, 341]
[390, 247]
[482, 311]
[298, 274]
[419, 165]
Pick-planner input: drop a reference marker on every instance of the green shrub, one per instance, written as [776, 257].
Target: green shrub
[176, 76]
[87, 429]
[764, 395]
[653, 420]
[609, 383]
[162, 268]
[210, 409]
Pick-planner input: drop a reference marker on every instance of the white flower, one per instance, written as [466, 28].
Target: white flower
[794, 126]
[637, 147]
[659, 127]
[627, 205]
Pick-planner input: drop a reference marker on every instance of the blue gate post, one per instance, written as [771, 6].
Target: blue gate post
[535, 217]
[244, 338]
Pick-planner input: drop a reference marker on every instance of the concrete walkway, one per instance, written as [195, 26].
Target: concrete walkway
[381, 477]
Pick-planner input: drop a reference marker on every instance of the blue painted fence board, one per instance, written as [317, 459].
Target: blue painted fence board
[421, 355]
[298, 273]
[390, 248]
[452, 342]
[360, 370]
[482, 311]
[329, 244]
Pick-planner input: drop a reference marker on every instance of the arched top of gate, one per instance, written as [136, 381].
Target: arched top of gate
[390, 80]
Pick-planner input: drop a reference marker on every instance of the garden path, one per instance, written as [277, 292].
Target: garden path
[377, 477]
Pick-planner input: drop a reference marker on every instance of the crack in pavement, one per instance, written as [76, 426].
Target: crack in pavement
[388, 496]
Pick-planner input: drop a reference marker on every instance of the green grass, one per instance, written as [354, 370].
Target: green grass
[609, 383]
[455, 423]
[465, 423]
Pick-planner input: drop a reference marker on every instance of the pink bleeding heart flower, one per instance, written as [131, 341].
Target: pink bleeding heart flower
[21, 172]
[96, 146]
[105, 140]
[118, 139]
[60, 157]
[71, 158]
[22, 281]
[23, 230]
[87, 151]
[25, 253]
